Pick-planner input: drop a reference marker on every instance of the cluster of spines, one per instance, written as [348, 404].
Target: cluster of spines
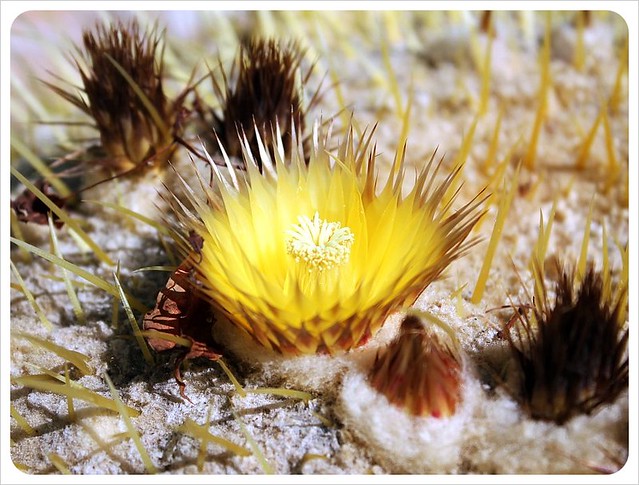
[122, 73]
[570, 355]
[263, 87]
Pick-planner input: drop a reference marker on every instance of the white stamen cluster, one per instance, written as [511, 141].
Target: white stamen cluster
[322, 245]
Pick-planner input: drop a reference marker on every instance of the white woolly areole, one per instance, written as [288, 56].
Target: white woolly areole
[401, 442]
[501, 439]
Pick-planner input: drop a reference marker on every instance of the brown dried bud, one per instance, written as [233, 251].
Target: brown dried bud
[267, 90]
[122, 80]
[128, 131]
[572, 356]
[419, 373]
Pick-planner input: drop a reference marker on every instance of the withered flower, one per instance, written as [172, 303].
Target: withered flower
[182, 320]
[29, 208]
[264, 86]
[418, 372]
[121, 70]
[571, 355]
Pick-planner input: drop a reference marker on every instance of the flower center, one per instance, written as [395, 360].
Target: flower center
[320, 244]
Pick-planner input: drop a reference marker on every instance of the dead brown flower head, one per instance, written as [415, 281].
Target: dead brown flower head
[121, 70]
[263, 88]
[418, 372]
[571, 355]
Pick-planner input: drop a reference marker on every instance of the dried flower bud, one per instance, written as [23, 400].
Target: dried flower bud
[122, 80]
[267, 90]
[418, 372]
[571, 357]
[128, 130]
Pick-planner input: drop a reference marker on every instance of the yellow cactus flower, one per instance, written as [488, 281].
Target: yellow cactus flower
[312, 257]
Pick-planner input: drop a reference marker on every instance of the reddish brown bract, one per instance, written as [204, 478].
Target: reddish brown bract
[418, 373]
